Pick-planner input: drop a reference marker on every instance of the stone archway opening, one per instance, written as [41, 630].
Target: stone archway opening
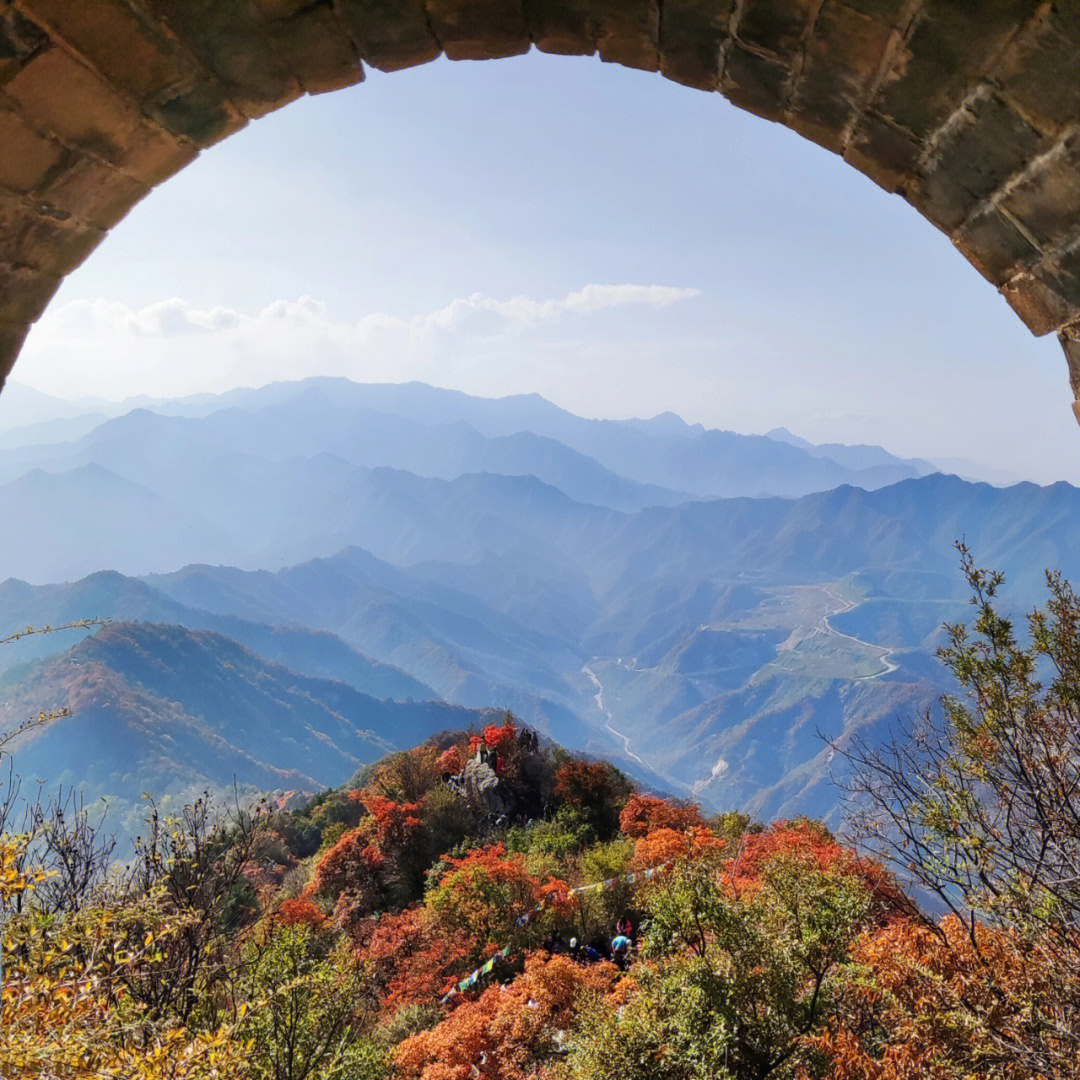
[969, 112]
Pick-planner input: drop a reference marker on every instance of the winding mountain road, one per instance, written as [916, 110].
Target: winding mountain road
[825, 627]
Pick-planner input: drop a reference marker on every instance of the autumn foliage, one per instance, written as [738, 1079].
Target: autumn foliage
[811, 843]
[394, 821]
[450, 761]
[487, 892]
[918, 1015]
[644, 813]
[513, 1032]
[500, 736]
[595, 789]
[353, 939]
[66, 1011]
[585, 783]
[299, 910]
[351, 866]
[742, 897]
[497, 737]
[413, 959]
[658, 847]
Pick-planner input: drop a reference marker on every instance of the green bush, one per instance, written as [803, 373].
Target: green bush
[314, 1002]
[565, 834]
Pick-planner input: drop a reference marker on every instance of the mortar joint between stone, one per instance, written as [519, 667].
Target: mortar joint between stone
[429, 23]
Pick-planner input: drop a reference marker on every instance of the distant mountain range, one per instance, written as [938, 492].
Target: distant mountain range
[269, 477]
[280, 433]
[867, 457]
[700, 605]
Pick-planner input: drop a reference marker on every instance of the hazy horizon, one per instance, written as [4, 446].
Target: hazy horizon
[617, 243]
[117, 406]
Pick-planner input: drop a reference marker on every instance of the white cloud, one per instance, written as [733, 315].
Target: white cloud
[523, 311]
[106, 349]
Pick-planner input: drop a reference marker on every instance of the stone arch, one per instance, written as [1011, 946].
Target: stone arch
[969, 109]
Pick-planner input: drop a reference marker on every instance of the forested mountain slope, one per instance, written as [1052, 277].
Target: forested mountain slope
[166, 710]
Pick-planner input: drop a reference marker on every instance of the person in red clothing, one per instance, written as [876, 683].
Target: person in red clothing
[624, 927]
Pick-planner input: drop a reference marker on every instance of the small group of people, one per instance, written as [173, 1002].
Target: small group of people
[598, 948]
[528, 740]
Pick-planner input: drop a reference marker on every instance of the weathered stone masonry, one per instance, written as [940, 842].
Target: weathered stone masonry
[969, 109]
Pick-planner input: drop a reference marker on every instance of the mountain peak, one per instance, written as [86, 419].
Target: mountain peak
[781, 434]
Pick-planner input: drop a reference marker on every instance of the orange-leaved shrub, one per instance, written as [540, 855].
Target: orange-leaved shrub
[813, 842]
[508, 1033]
[299, 910]
[945, 1001]
[662, 846]
[643, 813]
[488, 893]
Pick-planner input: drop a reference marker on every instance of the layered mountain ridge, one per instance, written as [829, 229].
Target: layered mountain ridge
[682, 600]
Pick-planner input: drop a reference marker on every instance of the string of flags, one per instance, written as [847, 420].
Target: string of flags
[523, 920]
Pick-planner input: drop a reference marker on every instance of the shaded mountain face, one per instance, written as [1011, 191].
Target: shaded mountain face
[160, 708]
[109, 595]
[407, 542]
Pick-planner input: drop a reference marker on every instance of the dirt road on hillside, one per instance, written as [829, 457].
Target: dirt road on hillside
[825, 627]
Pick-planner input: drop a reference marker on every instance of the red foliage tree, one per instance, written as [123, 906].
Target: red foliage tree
[394, 822]
[413, 960]
[583, 783]
[450, 761]
[643, 813]
[497, 737]
[299, 910]
[500, 737]
[493, 896]
[598, 790]
[351, 867]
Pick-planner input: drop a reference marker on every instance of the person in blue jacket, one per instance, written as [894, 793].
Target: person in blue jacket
[620, 951]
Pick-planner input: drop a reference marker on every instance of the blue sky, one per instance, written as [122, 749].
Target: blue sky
[618, 243]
